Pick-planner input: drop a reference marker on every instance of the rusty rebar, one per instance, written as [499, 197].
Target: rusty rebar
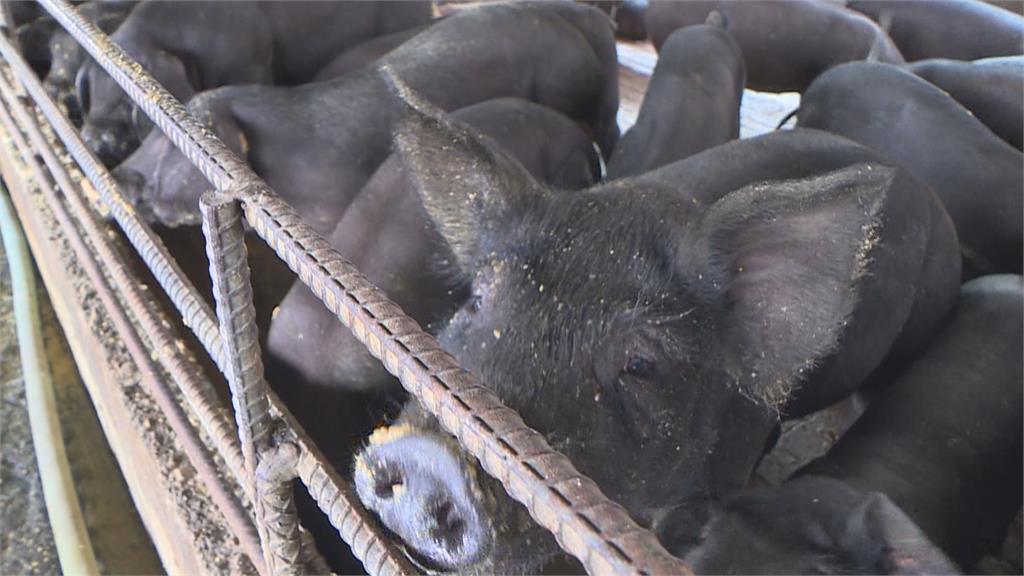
[354, 525]
[232, 290]
[206, 151]
[274, 486]
[7, 21]
[235, 514]
[196, 314]
[584, 521]
[199, 393]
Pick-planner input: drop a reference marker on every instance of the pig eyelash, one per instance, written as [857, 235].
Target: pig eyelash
[82, 89]
[626, 415]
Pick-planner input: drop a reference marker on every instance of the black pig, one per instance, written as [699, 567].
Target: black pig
[918, 126]
[691, 104]
[935, 458]
[991, 89]
[628, 16]
[786, 43]
[67, 55]
[814, 525]
[957, 29]
[651, 329]
[317, 144]
[364, 54]
[193, 46]
[943, 441]
[388, 235]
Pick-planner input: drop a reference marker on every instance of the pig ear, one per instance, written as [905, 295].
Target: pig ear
[469, 186]
[178, 78]
[34, 39]
[898, 543]
[789, 255]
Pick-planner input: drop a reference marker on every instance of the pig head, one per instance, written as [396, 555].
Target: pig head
[650, 335]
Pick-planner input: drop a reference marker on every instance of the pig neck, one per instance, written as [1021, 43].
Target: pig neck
[731, 462]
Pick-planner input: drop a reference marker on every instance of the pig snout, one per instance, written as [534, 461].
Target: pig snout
[64, 95]
[112, 143]
[69, 102]
[424, 492]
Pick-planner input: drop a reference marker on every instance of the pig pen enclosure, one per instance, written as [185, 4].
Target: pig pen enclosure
[209, 453]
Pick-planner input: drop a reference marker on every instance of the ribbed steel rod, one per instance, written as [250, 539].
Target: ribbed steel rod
[232, 289]
[332, 494]
[198, 392]
[585, 522]
[235, 514]
[196, 314]
[7, 21]
[206, 151]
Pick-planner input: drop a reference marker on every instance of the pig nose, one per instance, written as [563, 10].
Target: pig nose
[110, 145]
[423, 492]
[70, 102]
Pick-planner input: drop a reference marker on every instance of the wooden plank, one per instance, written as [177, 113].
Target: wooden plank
[187, 532]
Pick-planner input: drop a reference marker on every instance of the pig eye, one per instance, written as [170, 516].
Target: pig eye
[82, 88]
[139, 123]
[639, 366]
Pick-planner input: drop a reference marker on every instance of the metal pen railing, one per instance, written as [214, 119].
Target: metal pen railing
[588, 525]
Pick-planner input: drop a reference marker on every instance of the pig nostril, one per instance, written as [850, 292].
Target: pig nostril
[387, 484]
[448, 526]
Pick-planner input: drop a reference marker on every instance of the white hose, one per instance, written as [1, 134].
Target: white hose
[69, 533]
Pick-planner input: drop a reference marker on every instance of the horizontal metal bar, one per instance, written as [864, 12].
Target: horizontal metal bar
[586, 523]
[206, 151]
[195, 312]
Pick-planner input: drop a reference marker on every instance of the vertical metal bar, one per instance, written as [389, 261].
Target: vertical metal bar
[270, 467]
[274, 475]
